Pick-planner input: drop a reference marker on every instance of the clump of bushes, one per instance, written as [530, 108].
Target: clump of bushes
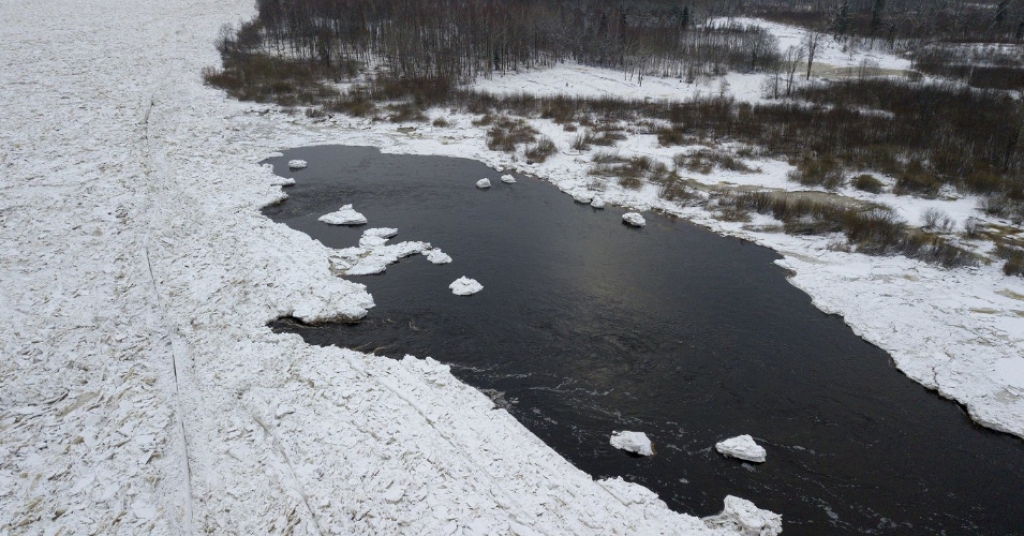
[916, 179]
[867, 183]
[507, 134]
[705, 160]
[825, 171]
[270, 79]
[631, 171]
[405, 113]
[874, 230]
[937, 220]
[606, 138]
[540, 151]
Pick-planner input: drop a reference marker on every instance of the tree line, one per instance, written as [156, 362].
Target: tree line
[460, 40]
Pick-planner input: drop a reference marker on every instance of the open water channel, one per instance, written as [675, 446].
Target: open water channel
[586, 326]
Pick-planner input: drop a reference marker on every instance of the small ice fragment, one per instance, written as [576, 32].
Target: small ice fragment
[437, 256]
[346, 215]
[282, 181]
[743, 448]
[483, 183]
[508, 179]
[597, 202]
[635, 442]
[465, 286]
[297, 164]
[583, 196]
[382, 232]
[634, 219]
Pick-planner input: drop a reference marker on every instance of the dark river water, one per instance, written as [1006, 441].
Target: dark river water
[586, 326]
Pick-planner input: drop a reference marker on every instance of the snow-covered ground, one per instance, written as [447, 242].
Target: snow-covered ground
[583, 81]
[830, 52]
[142, 392]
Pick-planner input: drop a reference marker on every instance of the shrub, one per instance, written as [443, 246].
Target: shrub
[825, 171]
[937, 220]
[867, 183]
[440, 122]
[1015, 264]
[916, 179]
[632, 183]
[541, 150]
[704, 160]
[506, 134]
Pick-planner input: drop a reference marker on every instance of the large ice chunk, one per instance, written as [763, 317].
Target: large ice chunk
[437, 256]
[635, 442]
[634, 219]
[297, 164]
[346, 215]
[597, 202]
[465, 286]
[742, 517]
[742, 447]
[508, 179]
[483, 183]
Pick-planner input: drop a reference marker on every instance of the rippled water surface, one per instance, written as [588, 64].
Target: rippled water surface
[586, 326]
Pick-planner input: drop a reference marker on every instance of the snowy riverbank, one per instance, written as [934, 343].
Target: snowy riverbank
[142, 391]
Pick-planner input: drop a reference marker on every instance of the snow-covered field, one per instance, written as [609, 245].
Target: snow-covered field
[143, 393]
[141, 390]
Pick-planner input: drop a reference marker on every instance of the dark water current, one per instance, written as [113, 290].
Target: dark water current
[586, 326]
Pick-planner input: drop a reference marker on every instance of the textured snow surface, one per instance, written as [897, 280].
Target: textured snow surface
[635, 442]
[465, 286]
[297, 164]
[743, 517]
[346, 215]
[743, 448]
[634, 219]
[142, 392]
[483, 183]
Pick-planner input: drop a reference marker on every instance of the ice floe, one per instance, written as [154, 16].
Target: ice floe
[508, 179]
[635, 442]
[465, 286]
[297, 164]
[743, 448]
[634, 219]
[597, 202]
[346, 215]
[483, 183]
[437, 256]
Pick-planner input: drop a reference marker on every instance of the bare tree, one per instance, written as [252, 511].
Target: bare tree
[811, 46]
